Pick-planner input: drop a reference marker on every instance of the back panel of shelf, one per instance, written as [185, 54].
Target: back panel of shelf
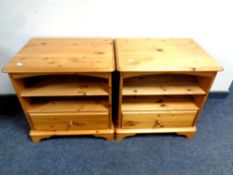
[68, 104]
[163, 84]
[158, 103]
[65, 85]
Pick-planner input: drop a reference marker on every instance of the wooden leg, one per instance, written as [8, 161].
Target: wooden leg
[37, 139]
[38, 135]
[120, 136]
[189, 135]
[109, 137]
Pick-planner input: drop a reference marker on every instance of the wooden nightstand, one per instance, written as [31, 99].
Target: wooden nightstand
[65, 86]
[164, 84]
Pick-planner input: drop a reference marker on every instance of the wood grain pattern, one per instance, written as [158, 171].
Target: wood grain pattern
[170, 78]
[162, 85]
[105, 133]
[89, 74]
[163, 103]
[150, 103]
[187, 131]
[157, 130]
[163, 55]
[19, 86]
[191, 73]
[66, 86]
[69, 121]
[43, 55]
[159, 119]
[68, 105]
[205, 83]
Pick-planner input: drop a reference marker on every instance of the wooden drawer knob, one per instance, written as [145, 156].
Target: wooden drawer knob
[70, 124]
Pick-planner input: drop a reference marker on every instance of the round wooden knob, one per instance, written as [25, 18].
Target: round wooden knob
[70, 123]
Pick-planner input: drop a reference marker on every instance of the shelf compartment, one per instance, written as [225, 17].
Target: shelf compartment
[65, 86]
[56, 105]
[158, 103]
[162, 85]
[158, 119]
[69, 121]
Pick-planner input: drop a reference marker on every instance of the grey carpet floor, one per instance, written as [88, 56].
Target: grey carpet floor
[209, 153]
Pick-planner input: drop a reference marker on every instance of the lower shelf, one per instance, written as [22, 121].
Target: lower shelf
[108, 134]
[47, 105]
[158, 103]
[189, 132]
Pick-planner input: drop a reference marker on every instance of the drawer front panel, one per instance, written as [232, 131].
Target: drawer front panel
[158, 119]
[56, 122]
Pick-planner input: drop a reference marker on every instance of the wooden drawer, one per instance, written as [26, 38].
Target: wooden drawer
[134, 120]
[69, 121]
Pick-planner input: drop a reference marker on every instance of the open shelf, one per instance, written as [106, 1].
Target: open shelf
[57, 105]
[162, 85]
[161, 103]
[65, 86]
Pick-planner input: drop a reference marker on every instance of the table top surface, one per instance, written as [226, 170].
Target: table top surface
[162, 55]
[63, 55]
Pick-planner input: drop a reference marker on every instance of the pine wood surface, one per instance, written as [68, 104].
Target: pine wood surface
[159, 119]
[186, 131]
[150, 100]
[104, 133]
[43, 55]
[66, 86]
[68, 105]
[150, 103]
[89, 74]
[162, 85]
[163, 55]
[18, 86]
[69, 121]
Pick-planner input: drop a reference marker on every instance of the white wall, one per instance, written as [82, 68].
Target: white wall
[207, 21]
